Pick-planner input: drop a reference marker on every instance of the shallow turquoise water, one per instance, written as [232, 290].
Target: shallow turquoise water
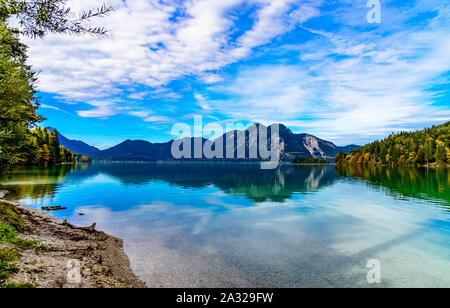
[234, 225]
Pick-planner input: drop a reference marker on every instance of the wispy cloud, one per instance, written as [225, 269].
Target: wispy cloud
[157, 119]
[315, 65]
[348, 86]
[152, 43]
[45, 106]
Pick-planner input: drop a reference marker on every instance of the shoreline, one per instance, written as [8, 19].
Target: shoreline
[94, 258]
[429, 166]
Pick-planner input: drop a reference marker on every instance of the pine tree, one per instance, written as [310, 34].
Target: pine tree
[54, 146]
[18, 104]
[429, 151]
[420, 157]
[383, 153]
[45, 155]
[441, 154]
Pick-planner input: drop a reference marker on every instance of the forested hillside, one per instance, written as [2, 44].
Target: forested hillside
[44, 149]
[429, 146]
[20, 142]
[41, 148]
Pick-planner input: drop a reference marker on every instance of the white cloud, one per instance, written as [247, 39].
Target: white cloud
[110, 107]
[211, 78]
[152, 43]
[274, 18]
[350, 87]
[263, 92]
[157, 119]
[140, 114]
[100, 112]
[202, 102]
[348, 80]
[138, 96]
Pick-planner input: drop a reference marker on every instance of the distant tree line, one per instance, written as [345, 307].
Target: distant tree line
[310, 161]
[40, 148]
[425, 147]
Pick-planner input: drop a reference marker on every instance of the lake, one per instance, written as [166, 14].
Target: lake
[234, 225]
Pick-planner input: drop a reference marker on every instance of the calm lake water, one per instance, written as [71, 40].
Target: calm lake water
[234, 225]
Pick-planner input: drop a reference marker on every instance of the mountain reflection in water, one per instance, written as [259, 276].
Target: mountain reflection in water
[235, 225]
[246, 180]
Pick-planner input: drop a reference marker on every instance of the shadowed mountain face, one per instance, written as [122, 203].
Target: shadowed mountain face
[77, 146]
[136, 150]
[237, 143]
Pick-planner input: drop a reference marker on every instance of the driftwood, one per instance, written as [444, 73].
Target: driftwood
[88, 229]
[53, 208]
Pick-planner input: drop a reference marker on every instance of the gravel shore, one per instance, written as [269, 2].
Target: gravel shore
[72, 258]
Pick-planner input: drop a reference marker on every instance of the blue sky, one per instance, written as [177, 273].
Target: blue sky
[319, 67]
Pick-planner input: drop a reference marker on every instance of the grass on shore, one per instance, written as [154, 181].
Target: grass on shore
[11, 245]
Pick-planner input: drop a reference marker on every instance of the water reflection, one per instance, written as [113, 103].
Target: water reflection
[405, 182]
[235, 179]
[235, 225]
[35, 182]
[246, 180]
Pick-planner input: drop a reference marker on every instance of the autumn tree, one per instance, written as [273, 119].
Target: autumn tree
[406, 148]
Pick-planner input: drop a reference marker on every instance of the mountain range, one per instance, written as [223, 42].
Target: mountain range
[77, 146]
[291, 146]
